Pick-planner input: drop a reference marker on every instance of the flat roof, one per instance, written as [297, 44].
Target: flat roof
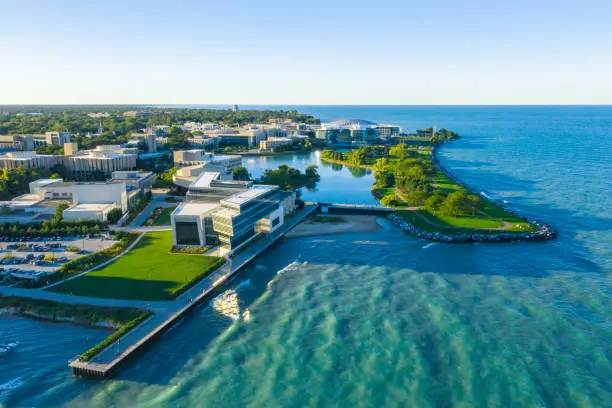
[204, 179]
[195, 208]
[249, 194]
[23, 200]
[90, 207]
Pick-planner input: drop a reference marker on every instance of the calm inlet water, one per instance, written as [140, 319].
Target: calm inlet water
[383, 319]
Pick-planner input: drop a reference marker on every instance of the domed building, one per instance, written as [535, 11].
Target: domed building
[355, 131]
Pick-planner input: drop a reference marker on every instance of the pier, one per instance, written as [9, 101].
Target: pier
[166, 314]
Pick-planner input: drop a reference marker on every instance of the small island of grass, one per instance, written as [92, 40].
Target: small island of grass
[429, 202]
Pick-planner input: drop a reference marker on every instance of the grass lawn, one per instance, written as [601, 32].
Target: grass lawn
[447, 224]
[163, 218]
[475, 222]
[147, 272]
[445, 183]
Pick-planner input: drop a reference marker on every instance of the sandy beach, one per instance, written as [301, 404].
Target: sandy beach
[352, 223]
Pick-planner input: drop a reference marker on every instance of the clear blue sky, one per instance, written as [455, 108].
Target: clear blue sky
[314, 52]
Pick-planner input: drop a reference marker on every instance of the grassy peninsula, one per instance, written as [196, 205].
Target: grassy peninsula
[409, 179]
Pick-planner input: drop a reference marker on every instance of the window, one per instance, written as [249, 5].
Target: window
[275, 221]
[187, 233]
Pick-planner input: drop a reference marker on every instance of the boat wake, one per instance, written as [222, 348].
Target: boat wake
[430, 245]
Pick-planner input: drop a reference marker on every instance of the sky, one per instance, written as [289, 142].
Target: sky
[309, 52]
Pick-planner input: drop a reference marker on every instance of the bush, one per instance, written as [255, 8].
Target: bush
[389, 200]
[114, 215]
[176, 292]
[115, 336]
[192, 250]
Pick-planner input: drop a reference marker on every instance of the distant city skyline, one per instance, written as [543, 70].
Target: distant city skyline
[317, 53]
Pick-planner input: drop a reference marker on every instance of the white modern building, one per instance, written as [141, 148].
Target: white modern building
[232, 221]
[95, 200]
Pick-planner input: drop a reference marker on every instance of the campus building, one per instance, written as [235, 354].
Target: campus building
[26, 142]
[274, 142]
[355, 130]
[102, 160]
[233, 220]
[197, 161]
[95, 200]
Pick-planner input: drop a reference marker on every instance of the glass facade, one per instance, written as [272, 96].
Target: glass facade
[187, 233]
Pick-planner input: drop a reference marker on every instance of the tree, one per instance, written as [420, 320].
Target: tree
[475, 203]
[415, 198]
[114, 215]
[389, 200]
[240, 173]
[58, 213]
[312, 173]
[434, 203]
[455, 204]
[399, 152]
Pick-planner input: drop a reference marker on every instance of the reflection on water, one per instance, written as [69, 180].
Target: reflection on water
[340, 184]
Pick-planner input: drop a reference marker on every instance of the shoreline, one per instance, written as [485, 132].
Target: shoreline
[544, 232]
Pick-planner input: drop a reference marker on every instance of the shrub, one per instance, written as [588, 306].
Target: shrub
[389, 200]
[115, 336]
[193, 250]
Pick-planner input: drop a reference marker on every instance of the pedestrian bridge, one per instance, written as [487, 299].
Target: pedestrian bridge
[354, 208]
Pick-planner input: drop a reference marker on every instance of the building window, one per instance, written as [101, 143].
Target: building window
[187, 233]
[275, 221]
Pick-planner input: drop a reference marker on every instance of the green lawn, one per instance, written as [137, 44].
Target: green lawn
[447, 224]
[470, 222]
[163, 218]
[147, 272]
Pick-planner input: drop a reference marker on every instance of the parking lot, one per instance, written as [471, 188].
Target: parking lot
[31, 259]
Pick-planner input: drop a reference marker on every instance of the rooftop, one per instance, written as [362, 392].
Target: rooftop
[204, 180]
[91, 207]
[248, 194]
[195, 208]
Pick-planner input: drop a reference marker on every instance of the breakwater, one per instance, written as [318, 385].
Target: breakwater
[542, 234]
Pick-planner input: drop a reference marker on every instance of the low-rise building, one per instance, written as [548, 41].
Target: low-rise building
[12, 160]
[202, 161]
[274, 142]
[134, 179]
[95, 200]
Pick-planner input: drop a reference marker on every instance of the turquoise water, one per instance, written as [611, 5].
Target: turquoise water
[383, 319]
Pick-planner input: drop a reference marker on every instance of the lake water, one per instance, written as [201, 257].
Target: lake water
[339, 184]
[383, 319]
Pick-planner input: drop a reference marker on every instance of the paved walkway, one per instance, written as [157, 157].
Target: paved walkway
[158, 200]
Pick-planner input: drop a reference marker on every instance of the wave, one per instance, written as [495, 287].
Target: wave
[291, 267]
[12, 384]
[430, 245]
